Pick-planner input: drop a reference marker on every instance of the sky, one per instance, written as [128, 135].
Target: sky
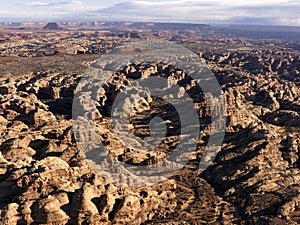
[262, 12]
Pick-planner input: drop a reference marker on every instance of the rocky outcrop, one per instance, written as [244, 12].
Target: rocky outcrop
[255, 178]
[259, 62]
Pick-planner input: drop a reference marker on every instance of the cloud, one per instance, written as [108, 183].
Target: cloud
[168, 10]
[269, 12]
[215, 11]
[36, 4]
[45, 4]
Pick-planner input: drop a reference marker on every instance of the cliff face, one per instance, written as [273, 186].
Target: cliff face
[255, 179]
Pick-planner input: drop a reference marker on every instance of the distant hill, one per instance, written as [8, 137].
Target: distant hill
[288, 33]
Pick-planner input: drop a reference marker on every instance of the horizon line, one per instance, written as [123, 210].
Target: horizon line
[55, 20]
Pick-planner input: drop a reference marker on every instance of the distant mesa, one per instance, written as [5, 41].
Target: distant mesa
[51, 26]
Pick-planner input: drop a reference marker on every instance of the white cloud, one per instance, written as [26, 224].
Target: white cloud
[275, 12]
[214, 11]
[45, 4]
[36, 4]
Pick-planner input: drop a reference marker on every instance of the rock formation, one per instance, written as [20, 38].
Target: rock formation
[51, 26]
[255, 178]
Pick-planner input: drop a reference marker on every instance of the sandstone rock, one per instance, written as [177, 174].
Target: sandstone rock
[254, 179]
